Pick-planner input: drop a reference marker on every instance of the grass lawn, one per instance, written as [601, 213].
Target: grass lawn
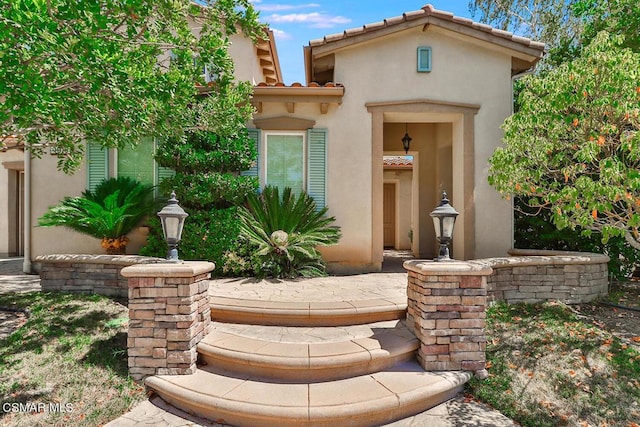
[71, 350]
[550, 366]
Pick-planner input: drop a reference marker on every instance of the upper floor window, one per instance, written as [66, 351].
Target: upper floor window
[424, 59]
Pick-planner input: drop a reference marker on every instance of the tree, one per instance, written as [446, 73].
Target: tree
[208, 159]
[550, 21]
[574, 145]
[615, 16]
[111, 71]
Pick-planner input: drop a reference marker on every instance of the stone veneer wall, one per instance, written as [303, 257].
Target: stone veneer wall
[446, 312]
[87, 274]
[169, 313]
[535, 276]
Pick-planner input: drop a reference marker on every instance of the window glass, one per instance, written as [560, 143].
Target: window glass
[285, 162]
[137, 162]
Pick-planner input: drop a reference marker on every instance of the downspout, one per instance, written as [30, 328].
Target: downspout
[26, 264]
[513, 82]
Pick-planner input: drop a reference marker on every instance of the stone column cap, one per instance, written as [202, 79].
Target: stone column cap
[448, 268]
[169, 269]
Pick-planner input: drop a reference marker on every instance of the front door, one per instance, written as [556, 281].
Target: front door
[389, 215]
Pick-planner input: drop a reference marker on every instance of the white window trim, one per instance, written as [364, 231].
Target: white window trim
[263, 159]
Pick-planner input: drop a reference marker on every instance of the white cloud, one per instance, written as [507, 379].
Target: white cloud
[315, 19]
[282, 7]
[281, 35]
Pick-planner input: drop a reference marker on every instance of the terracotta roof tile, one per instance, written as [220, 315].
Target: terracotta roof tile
[397, 161]
[427, 10]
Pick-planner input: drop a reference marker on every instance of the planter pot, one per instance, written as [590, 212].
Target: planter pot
[117, 246]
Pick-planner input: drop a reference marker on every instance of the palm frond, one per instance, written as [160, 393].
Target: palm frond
[285, 232]
[113, 210]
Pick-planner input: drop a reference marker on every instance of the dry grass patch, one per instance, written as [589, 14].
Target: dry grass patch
[70, 354]
[550, 367]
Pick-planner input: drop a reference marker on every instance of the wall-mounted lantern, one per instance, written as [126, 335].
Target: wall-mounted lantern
[406, 139]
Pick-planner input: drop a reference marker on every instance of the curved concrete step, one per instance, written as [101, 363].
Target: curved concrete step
[282, 313]
[272, 357]
[365, 400]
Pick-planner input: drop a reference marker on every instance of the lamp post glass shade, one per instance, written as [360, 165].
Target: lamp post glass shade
[444, 218]
[172, 217]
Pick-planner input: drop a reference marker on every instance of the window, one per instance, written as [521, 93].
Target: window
[138, 162]
[285, 161]
[424, 59]
[309, 169]
[133, 162]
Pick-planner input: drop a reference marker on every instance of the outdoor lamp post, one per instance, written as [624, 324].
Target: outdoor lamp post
[172, 217]
[444, 217]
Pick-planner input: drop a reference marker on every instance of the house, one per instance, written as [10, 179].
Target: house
[444, 81]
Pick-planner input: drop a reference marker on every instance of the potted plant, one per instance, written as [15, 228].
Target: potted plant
[110, 212]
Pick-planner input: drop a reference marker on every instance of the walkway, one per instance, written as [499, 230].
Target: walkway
[457, 412]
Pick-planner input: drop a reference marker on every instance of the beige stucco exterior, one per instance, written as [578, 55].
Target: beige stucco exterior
[453, 114]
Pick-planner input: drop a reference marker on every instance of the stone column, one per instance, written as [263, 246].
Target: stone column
[446, 312]
[169, 314]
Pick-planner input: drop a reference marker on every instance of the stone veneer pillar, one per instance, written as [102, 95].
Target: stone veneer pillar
[169, 314]
[446, 312]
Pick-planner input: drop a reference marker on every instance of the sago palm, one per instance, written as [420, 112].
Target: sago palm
[110, 212]
[287, 231]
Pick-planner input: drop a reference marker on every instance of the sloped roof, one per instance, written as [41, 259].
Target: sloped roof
[525, 52]
[438, 17]
[268, 56]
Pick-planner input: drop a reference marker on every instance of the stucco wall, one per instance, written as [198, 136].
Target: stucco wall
[385, 70]
[247, 64]
[49, 187]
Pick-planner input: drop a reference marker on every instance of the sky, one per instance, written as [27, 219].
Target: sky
[295, 23]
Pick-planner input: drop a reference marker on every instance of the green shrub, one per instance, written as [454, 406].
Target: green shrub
[534, 230]
[206, 237]
[110, 212]
[285, 233]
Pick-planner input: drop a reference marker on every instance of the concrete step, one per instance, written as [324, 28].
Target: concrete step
[315, 354]
[298, 313]
[366, 400]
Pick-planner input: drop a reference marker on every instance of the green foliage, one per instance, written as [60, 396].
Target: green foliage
[112, 210]
[207, 236]
[101, 69]
[286, 232]
[549, 21]
[535, 230]
[574, 145]
[620, 17]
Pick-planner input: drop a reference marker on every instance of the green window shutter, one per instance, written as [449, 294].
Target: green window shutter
[161, 171]
[316, 165]
[253, 170]
[97, 164]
